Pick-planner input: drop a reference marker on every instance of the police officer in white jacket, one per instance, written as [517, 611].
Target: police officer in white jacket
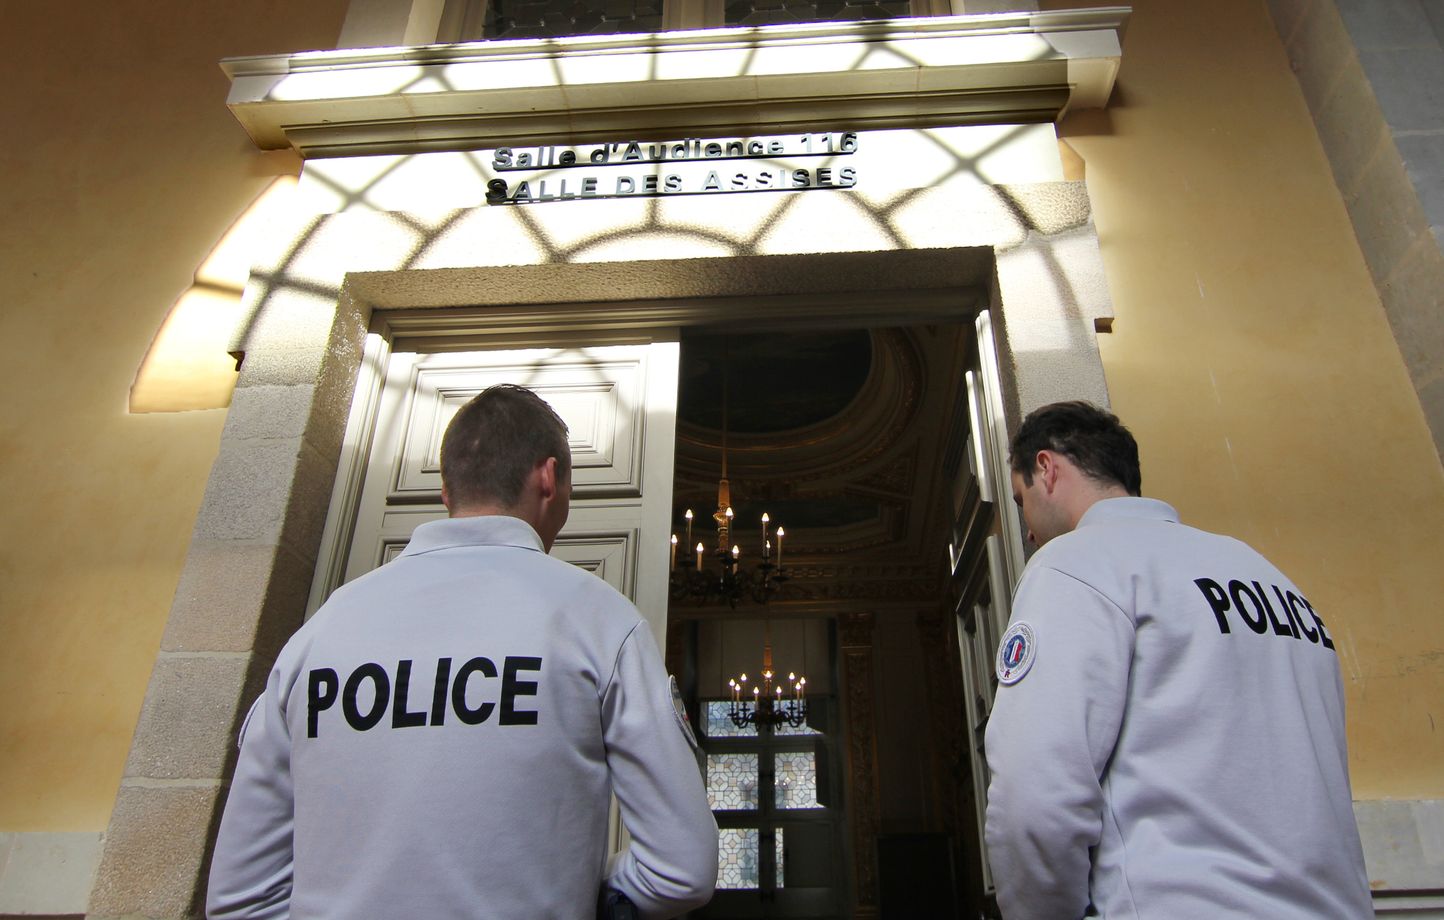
[1167, 741]
[441, 739]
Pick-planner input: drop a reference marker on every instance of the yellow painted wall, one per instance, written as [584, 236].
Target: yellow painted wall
[121, 169]
[1250, 355]
[1253, 360]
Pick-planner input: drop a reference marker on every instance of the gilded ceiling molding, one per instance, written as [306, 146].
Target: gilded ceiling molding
[838, 447]
[845, 582]
[893, 479]
[855, 632]
[942, 672]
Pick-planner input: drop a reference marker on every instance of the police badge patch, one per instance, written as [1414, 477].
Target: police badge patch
[1016, 653]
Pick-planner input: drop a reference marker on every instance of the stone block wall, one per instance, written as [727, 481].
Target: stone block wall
[1372, 73]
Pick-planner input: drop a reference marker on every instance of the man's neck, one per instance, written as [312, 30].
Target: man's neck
[482, 511]
[1091, 496]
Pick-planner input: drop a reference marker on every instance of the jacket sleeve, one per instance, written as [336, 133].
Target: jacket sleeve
[1048, 742]
[671, 864]
[251, 870]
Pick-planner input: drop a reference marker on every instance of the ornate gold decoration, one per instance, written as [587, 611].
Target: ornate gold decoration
[943, 686]
[838, 446]
[856, 638]
[895, 478]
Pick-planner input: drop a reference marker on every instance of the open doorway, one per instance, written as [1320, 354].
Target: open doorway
[864, 445]
[872, 446]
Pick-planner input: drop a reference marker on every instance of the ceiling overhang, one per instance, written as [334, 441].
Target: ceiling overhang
[918, 72]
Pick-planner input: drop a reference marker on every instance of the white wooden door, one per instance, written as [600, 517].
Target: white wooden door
[986, 554]
[620, 405]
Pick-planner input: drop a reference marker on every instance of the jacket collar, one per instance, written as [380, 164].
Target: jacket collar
[485, 530]
[1110, 509]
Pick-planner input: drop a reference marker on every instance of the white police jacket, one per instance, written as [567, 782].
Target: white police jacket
[1167, 740]
[440, 740]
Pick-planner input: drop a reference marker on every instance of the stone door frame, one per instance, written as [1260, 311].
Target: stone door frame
[1029, 255]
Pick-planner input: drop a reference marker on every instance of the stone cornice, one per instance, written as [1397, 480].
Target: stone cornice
[918, 72]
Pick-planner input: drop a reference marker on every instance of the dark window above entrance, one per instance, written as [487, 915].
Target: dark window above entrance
[503, 19]
[777, 12]
[558, 18]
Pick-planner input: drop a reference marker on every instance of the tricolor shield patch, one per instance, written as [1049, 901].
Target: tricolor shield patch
[1016, 653]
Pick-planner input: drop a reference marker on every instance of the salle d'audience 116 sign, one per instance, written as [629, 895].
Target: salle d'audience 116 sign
[686, 167]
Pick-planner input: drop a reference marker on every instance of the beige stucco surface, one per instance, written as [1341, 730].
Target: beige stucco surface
[1250, 354]
[122, 168]
[1252, 358]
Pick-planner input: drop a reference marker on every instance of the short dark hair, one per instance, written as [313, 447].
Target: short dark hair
[495, 441]
[1092, 438]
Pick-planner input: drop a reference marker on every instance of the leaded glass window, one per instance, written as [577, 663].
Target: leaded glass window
[737, 863]
[738, 849]
[719, 723]
[804, 729]
[732, 781]
[775, 791]
[795, 785]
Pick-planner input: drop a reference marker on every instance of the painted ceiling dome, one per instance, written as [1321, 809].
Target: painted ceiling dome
[771, 383]
[823, 430]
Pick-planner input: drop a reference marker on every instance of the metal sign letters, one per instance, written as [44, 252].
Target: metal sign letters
[688, 167]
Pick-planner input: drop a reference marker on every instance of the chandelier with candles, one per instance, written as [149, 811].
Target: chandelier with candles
[696, 579]
[768, 701]
[723, 576]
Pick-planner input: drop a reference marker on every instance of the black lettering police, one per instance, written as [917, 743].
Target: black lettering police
[324, 687]
[1251, 602]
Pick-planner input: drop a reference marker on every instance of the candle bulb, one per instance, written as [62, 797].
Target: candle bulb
[766, 546]
[688, 516]
[780, 533]
[699, 557]
[736, 552]
[674, 552]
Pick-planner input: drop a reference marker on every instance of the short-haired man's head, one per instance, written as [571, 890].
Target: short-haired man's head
[1091, 438]
[495, 441]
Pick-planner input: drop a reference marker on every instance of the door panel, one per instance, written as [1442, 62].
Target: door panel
[986, 556]
[619, 404]
[598, 392]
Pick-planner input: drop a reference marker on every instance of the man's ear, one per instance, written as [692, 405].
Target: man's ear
[1047, 470]
[546, 473]
[446, 497]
